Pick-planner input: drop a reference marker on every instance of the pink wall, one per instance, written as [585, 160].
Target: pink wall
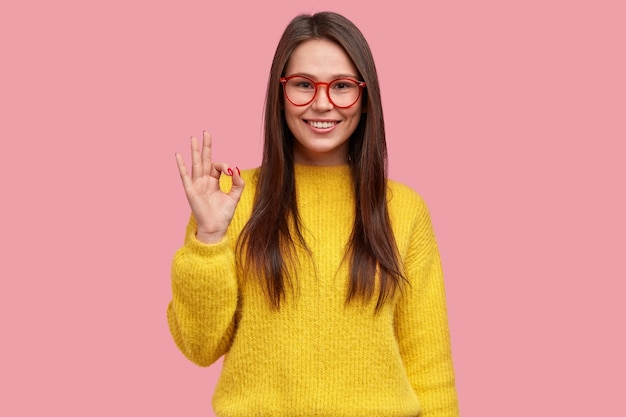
[509, 120]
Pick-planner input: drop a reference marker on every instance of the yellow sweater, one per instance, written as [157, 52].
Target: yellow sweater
[317, 356]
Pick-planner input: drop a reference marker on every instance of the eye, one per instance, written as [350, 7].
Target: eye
[301, 83]
[343, 85]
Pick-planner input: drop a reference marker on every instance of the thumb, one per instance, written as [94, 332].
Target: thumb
[238, 185]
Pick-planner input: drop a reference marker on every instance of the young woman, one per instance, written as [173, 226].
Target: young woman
[321, 282]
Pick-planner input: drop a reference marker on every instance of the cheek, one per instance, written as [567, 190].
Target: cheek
[353, 123]
[289, 114]
[292, 119]
[355, 117]
[293, 113]
[354, 112]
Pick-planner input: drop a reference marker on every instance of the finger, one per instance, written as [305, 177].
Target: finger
[238, 185]
[196, 162]
[219, 168]
[182, 169]
[206, 153]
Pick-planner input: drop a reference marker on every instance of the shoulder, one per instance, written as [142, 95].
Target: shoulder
[407, 210]
[411, 221]
[401, 197]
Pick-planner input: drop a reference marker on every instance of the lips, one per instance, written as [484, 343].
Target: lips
[321, 124]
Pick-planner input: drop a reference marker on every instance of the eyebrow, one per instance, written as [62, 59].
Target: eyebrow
[335, 76]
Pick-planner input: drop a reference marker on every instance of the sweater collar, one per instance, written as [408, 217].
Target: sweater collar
[322, 176]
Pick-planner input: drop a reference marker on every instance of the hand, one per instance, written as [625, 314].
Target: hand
[212, 208]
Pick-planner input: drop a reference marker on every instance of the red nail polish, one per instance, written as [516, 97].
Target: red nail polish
[230, 172]
[238, 172]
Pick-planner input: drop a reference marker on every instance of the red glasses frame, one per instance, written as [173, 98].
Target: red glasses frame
[360, 84]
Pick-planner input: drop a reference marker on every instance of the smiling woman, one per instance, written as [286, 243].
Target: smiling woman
[320, 127]
[321, 283]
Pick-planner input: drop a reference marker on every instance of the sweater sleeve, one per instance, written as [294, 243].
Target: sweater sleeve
[422, 324]
[201, 315]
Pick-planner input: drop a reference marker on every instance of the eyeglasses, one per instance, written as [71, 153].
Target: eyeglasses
[342, 92]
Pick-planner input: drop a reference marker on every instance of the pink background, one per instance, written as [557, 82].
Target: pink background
[508, 117]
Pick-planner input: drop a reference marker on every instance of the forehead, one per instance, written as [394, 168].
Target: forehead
[320, 58]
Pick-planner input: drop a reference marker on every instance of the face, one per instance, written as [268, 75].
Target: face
[321, 129]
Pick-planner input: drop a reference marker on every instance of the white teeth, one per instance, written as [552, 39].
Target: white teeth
[321, 125]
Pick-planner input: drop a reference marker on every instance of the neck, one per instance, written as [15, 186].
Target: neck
[336, 157]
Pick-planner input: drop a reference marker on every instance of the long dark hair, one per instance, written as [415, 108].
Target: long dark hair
[268, 240]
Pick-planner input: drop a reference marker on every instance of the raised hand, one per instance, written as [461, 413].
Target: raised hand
[212, 208]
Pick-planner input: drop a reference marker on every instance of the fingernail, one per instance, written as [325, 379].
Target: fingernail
[230, 172]
[238, 172]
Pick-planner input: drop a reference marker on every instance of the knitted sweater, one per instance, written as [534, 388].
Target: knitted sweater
[317, 356]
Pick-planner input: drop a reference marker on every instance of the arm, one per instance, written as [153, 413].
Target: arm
[201, 315]
[422, 324]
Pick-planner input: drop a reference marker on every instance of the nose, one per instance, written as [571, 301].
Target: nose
[322, 100]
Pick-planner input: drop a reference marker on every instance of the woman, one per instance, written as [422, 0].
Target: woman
[321, 283]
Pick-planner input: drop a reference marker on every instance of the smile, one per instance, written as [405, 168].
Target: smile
[321, 125]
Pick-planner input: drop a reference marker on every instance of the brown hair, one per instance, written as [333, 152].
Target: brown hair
[267, 241]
